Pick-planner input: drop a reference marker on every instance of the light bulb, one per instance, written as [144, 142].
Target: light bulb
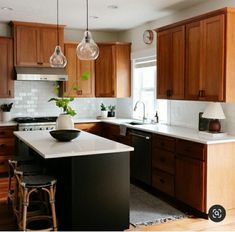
[87, 49]
[58, 60]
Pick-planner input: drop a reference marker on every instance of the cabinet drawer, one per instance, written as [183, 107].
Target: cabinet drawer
[93, 128]
[6, 132]
[164, 142]
[163, 182]
[163, 160]
[191, 149]
[7, 146]
[4, 164]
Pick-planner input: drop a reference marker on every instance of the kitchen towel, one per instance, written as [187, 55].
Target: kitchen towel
[122, 129]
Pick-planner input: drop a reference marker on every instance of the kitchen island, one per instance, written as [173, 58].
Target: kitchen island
[92, 179]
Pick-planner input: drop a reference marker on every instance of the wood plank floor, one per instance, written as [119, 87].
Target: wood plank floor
[7, 219]
[192, 224]
[7, 223]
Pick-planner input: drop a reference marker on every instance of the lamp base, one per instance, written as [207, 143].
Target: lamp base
[214, 126]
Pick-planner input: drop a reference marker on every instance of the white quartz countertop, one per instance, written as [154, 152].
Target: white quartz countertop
[84, 144]
[174, 131]
[11, 123]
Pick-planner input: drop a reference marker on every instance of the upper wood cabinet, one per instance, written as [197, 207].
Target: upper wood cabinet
[75, 68]
[209, 58]
[205, 59]
[113, 70]
[6, 67]
[170, 63]
[34, 43]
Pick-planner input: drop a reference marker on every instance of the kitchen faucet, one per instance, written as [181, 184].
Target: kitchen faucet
[135, 108]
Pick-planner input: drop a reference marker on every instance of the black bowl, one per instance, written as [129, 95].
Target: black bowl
[65, 135]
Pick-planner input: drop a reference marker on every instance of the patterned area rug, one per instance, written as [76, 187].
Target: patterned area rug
[146, 209]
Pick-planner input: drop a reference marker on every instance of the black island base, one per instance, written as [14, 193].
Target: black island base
[92, 191]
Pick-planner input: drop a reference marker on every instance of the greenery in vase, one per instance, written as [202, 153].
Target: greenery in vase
[103, 107]
[6, 107]
[112, 108]
[63, 102]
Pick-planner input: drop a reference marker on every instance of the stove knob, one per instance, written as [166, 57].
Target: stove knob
[30, 129]
[24, 129]
[47, 128]
[40, 128]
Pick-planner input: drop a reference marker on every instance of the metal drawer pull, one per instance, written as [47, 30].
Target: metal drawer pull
[2, 133]
[2, 145]
[141, 136]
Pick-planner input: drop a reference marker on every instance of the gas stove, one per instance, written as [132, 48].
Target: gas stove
[37, 123]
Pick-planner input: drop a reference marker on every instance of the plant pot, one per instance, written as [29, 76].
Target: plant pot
[6, 116]
[104, 113]
[64, 121]
[111, 114]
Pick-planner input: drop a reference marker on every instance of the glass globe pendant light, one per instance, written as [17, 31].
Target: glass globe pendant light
[87, 49]
[58, 60]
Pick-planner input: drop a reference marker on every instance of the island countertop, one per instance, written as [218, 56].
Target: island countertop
[84, 144]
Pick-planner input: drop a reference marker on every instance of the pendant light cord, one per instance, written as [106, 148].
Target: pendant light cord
[87, 15]
[58, 22]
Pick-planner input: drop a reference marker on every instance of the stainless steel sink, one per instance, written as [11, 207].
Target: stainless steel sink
[135, 123]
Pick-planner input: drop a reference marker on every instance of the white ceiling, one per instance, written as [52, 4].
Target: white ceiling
[130, 13]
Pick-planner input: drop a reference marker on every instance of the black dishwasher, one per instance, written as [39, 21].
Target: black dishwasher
[141, 156]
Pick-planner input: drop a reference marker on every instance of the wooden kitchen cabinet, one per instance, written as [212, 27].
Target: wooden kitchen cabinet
[93, 128]
[75, 68]
[7, 150]
[209, 58]
[6, 68]
[163, 164]
[113, 70]
[205, 59]
[170, 63]
[190, 174]
[34, 43]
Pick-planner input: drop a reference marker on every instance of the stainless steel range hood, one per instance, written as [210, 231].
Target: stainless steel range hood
[40, 74]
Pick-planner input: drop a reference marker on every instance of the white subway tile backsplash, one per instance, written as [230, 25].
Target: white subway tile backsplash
[31, 99]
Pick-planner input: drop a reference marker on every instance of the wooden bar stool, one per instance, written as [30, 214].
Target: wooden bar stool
[14, 162]
[29, 185]
[20, 171]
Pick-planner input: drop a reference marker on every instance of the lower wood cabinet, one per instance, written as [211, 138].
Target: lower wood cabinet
[190, 182]
[7, 150]
[163, 181]
[94, 128]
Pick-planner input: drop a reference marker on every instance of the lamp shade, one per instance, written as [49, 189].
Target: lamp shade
[213, 111]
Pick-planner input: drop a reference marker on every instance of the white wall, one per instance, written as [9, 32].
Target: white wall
[181, 113]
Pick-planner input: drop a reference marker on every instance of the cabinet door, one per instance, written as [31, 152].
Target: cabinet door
[87, 87]
[212, 62]
[123, 70]
[71, 69]
[105, 71]
[48, 41]
[6, 67]
[193, 64]
[163, 64]
[26, 46]
[177, 62]
[75, 68]
[190, 182]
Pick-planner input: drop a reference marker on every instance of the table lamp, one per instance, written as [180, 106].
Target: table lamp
[214, 112]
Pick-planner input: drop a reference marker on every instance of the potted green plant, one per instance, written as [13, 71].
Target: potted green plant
[6, 112]
[104, 110]
[111, 112]
[65, 121]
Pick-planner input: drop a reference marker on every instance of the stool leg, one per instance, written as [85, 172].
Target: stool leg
[52, 202]
[25, 206]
